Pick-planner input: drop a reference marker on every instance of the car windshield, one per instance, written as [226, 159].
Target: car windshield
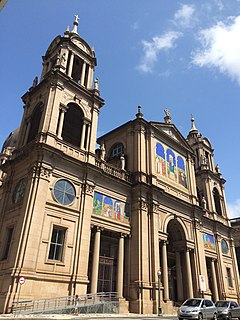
[222, 304]
[192, 302]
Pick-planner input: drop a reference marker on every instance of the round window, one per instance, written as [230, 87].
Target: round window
[19, 191]
[224, 245]
[64, 192]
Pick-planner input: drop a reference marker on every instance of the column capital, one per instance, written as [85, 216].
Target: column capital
[63, 107]
[122, 235]
[99, 229]
[164, 242]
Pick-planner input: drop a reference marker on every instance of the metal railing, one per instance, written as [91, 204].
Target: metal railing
[87, 303]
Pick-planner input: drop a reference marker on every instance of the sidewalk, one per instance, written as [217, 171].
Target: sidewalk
[80, 316]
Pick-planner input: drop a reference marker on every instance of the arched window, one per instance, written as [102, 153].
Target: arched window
[160, 150]
[117, 150]
[34, 124]
[77, 69]
[72, 125]
[217, 202]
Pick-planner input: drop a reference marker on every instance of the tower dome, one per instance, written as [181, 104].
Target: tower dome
[72, 55]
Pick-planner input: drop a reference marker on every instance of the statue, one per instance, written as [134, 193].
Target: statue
[58, 59]
[204, 203]
[167, 118]
[96, 84]
[217, 169]
[63, 58]
[167, 113]
[35, 82]
[122, 159]
[102, 152]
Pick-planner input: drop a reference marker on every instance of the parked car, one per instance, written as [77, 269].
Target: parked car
[225, 308]
[197, 308]
[234, 313]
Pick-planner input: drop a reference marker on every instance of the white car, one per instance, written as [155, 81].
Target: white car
[234, 313]
[225, 309]
[197, 308]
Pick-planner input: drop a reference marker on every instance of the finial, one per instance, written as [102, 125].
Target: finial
[93, 52]
[193, 128]
[75, 24]
[139, 115]
[167, 118]
[66, 33]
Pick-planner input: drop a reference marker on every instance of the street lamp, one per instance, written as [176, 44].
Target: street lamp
[159, 290]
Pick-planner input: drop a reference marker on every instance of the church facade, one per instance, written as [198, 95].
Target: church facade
[143, 214]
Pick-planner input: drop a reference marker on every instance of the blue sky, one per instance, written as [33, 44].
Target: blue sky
[183, 55]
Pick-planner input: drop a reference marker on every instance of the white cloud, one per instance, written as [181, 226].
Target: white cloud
[152, 48]
[184, 16]
[221, 48]
[234, 209]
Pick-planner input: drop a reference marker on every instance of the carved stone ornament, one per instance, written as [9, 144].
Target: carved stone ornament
[89, 188]
[143, 204]
[155, 206]
[197, 224]
[42, 171]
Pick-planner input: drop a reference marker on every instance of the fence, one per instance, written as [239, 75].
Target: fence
[102, 302]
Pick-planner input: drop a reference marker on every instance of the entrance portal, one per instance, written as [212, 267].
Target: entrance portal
[108, 264]
[175, 260]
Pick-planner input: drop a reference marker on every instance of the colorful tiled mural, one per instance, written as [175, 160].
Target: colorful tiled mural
[208, 241]
[170, 165]
[110, 207]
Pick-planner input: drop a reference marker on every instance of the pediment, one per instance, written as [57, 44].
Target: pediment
[170, 131]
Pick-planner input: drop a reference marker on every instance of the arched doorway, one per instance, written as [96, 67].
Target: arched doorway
[176, 265]
[176, 242]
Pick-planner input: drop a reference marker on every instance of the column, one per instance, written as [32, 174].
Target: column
[179, 277]
[70, 64]
[49, 66]
[83, 73]
[60, 125]
[28, 125]
[83, 135]
[120, 266]
[214, 282]
[189, 275]
[90, 78]
[165, 271]
[95, 264]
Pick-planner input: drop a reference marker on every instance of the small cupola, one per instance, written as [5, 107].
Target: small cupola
[193, 133]
[71, 55]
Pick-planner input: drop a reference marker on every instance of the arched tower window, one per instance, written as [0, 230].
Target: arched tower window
[77, 69]
[217, 202]
[34, 124]
[72, 125]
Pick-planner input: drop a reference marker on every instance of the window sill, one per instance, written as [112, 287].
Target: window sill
[55, 262]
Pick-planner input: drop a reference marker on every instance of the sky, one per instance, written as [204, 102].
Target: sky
[180, 55]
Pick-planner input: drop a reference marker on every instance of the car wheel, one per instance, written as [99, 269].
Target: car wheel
[215, 316]
[229, 316]
[200, 316]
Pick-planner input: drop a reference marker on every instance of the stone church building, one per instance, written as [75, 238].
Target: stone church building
[146, 207]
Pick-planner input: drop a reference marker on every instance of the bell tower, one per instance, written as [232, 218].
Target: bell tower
[45, 185]
[210, 184]
[64, 105]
